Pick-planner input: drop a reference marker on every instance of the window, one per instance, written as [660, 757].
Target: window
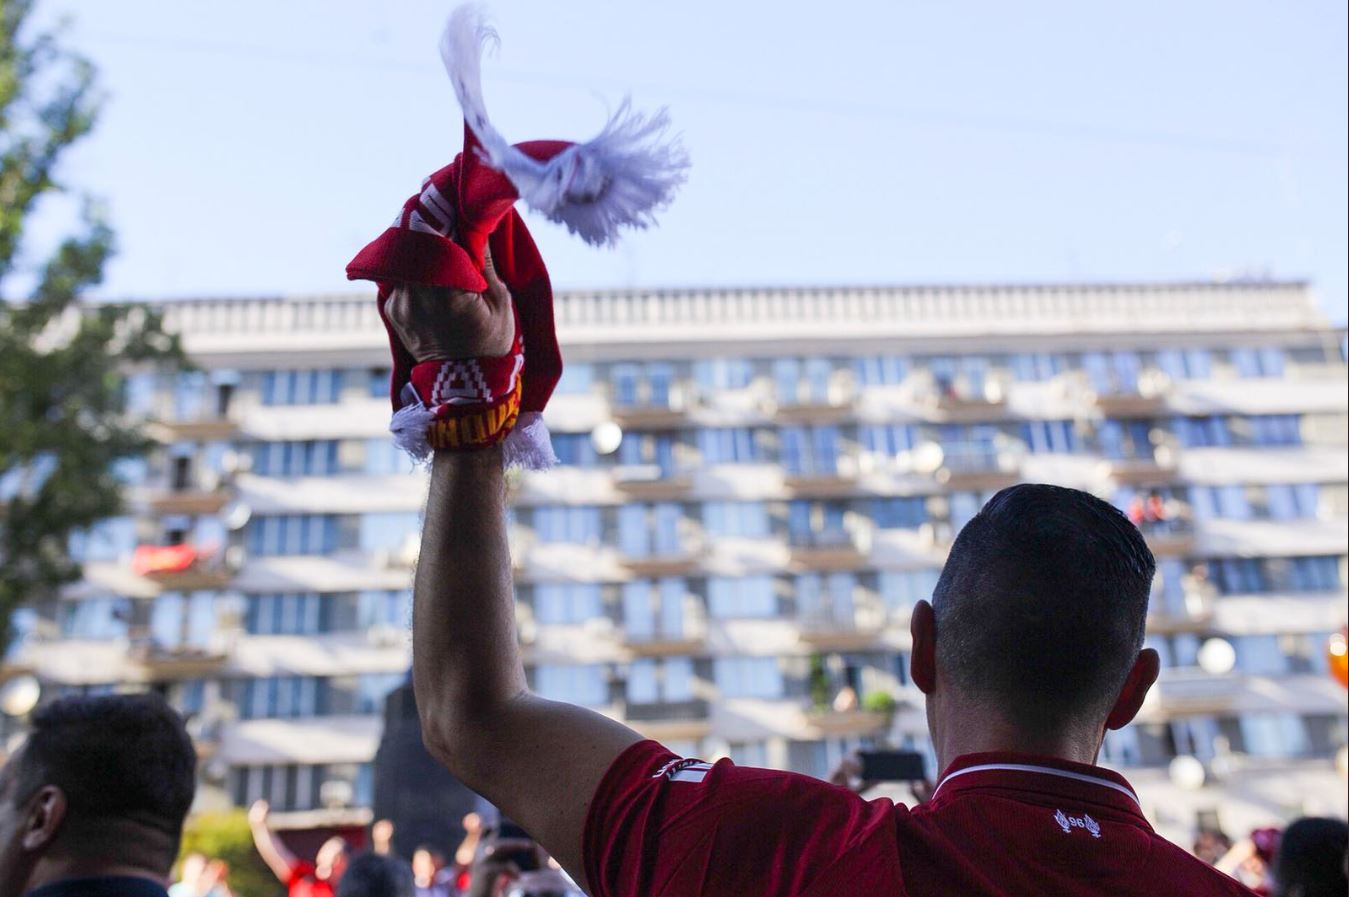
[384, 458]
[736, 519]
[907, 512]
[651, 681]
[373, 688]
[1039, 366]
[716, 374]
[1258, 362]
[308, 458]
[567, 602]
[378, 383]
[388, 530]
[112, 539]
[810, 451]
[318, 387]
[188, 621]
[1203, 432]
[624, 381]
[574, 449]
[748, 677]
[1235, 576]
[1186, 364]
[291, 613]
[95, 618]
[282, 697]
[1059, 437]
[1274, 734]
[902, 589]
[729, 445]
[888, 440]
[384, 607]
[818, 523]
[733, 597]
[567, 524]
[1112, 372]
[281, 534]
[576, 380]
[1272, 429]
[583, 684]
[880, 370]
[826, 598]
[1260, 655]
[1315, 574]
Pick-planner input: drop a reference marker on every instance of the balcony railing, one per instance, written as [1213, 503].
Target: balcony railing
[1156, 465]
[978, 466]
[1147, 397]
[830, 549]
[183, 567]
[662, 641]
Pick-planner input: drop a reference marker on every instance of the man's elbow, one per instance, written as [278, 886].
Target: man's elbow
[462, 738]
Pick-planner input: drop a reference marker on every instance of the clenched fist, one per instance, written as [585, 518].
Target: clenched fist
[442, 323]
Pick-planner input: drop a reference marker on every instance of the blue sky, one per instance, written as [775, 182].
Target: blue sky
[250, 148]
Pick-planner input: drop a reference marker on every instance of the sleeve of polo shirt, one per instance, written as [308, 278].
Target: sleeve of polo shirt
[661, 825]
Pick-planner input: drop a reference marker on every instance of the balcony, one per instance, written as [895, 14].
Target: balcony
[808, 406]
[647, 413]
[843, 626]
[688, 638]
[978, 467]
[1193, 612]
[1146, 398]
[824, 479]
[1185, 692]
[670, 719]
[961, 398]
[182, 567]
[205, 428]
[649, 482]
[1170, 538]
[1157, 466]
[195, 499]
[830, 723]
[158, 662]
[831, 550]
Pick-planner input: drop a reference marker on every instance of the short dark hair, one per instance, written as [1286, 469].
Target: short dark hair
[1311, 858]
[1041, 607]
[372, 875]
[122, 761]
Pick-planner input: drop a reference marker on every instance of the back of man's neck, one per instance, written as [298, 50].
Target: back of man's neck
[980, 735]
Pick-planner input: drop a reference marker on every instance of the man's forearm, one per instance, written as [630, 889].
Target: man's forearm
[466, 661]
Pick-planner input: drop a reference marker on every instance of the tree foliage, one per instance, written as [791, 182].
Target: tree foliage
[63, 425]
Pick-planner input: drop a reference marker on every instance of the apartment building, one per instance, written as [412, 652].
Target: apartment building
[756, 487]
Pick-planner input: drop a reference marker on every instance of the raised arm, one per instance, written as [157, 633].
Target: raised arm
[539, 761]
[273, 852]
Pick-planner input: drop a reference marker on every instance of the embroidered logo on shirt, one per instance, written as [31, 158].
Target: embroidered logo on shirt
[691, 770]
[1068, 823]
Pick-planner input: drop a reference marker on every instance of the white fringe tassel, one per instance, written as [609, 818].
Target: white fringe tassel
[529, 445]
[620, 178]
[409, 426]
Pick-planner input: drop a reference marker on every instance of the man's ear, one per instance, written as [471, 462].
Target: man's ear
[1141, 677]
[46, 811]
[923, 659]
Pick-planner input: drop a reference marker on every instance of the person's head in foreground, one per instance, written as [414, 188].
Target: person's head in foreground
[1311, 859]
[1034, 636]
[373, 875]
[100, 787]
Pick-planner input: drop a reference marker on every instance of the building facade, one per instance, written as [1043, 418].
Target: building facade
[755, 488]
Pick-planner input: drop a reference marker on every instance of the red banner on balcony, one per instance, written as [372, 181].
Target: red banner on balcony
[150, 559]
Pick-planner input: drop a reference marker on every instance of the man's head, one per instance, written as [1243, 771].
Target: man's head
[99, 783]
[1037, 620]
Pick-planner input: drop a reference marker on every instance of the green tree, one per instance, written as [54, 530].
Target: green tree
[63, 421]
[225, 836]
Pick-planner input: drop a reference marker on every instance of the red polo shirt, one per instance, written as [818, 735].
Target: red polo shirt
[998, 824]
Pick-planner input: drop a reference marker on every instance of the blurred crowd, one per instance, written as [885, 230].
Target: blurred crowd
[1309, 858]
[495, 859]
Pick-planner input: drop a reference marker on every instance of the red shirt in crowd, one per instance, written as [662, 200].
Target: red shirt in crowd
[997, 824]
[304, 882]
